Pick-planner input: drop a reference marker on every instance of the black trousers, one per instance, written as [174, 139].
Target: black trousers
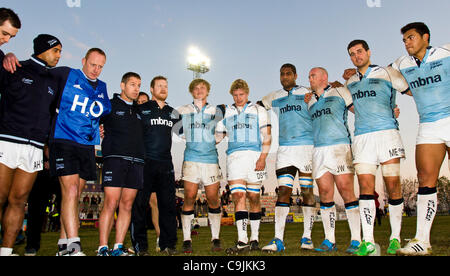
[159, 177]
[38, 200]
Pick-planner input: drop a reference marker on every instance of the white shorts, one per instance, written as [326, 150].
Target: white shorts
[336, 159]
[434, 133]
[297, 156]
[378, 147]
[241, 166]
[201, 173]
[25, 157]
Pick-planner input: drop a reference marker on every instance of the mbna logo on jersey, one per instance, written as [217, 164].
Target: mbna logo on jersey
[363, 94]
[318, 113]
[288, 108]
[425, 81]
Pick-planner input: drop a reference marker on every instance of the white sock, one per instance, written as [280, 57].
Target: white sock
[354, 222]
[281, 213]
[329, 222]
[4, 251]
[214, 221]
[62, 241]
[395, 219]
[186, 221]
[309, 214]
[116, 245]
[367, 210]
[426, 211]
[241, 225]
[72, 240]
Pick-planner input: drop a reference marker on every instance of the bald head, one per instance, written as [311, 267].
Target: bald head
[318, 78]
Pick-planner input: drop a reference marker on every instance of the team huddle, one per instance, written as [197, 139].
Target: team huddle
[68, 112]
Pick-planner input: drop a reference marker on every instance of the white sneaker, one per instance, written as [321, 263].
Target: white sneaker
[415, 248]
[79, 253]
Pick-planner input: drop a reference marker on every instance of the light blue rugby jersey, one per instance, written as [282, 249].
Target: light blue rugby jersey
[329, 117]
[374, 95]
[199, 126]
[429, 82]
[295, 125]
[243, 127]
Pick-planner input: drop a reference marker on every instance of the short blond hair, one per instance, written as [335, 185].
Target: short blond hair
[239, 84]
[196, 82]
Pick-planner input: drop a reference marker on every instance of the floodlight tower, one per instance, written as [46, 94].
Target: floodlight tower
[197, 62]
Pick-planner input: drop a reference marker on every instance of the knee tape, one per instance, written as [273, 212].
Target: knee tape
[391, 169]
[286, 180]
[305, 182]
[362, 168]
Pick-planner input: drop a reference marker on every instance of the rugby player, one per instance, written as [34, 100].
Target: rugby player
[294, 155]
[377, 141]
[159, 119]
[9, 27]
[427, 71]
[143, 98]
[244, 123]
[82, 101]
[24, 129]
[123, 163]
[332, 156]
[201, 162]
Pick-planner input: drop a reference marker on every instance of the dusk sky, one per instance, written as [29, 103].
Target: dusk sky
[248, 39]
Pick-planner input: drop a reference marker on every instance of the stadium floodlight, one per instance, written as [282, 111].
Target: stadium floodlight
[197, 62]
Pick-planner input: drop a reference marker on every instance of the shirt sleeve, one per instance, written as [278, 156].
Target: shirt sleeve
[346, 95]
[263, 117]
[398, 81]
[267, 100]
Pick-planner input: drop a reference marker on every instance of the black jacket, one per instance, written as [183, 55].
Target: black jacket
[123, 131]
[28, 103]
[159, 123]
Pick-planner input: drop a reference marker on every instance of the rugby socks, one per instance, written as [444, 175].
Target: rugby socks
[255, 221]
[214, 216]
[426, 211]
[74, 245]
[395, 217]
[281, 212]
[62, 245]
[367, 211]
[328, 212]
[309, 213]
[4, 251]
[354, 220]
[241, 218]
[186, 221]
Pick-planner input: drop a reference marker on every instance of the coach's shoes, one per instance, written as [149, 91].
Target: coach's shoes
[239, 247]
[187, 247]
[306, 243]
[415, 248]
[216, 245]
[394, 245]
[275, 245]
[366, 249]
[326, 246]
[353, 247]
[169, 251]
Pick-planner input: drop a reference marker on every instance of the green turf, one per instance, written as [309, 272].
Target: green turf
[440, 239]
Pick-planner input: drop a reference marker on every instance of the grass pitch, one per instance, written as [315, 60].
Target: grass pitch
[440, 239]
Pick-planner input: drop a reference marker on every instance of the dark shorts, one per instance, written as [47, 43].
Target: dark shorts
[121, 173]
[68, 159]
